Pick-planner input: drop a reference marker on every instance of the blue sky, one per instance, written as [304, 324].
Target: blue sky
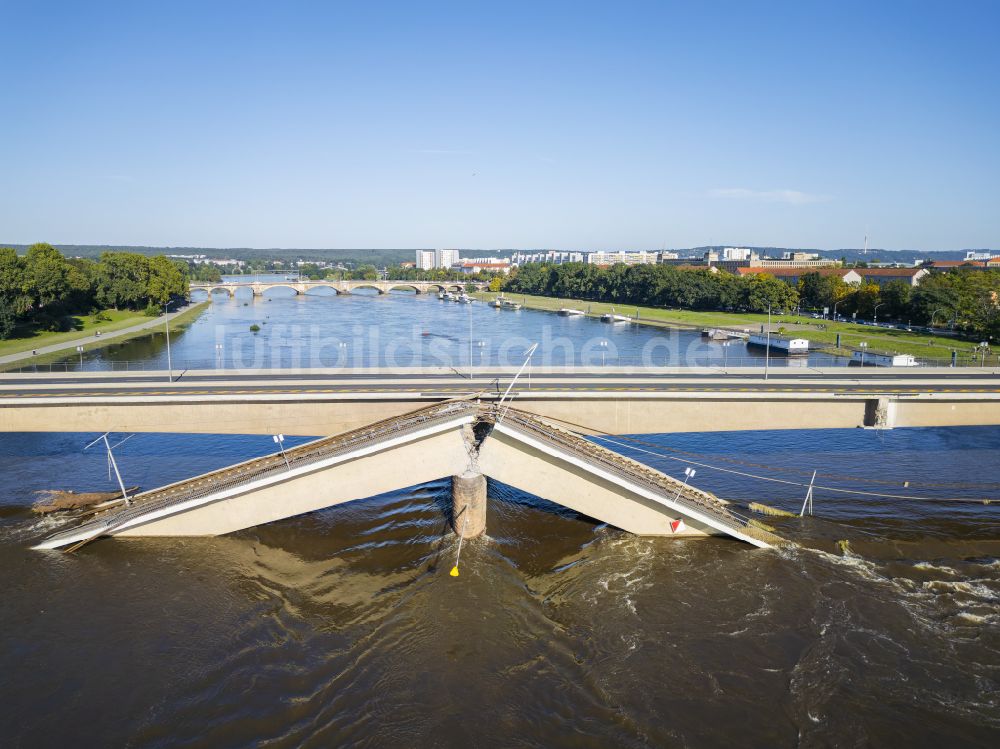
[544, 124]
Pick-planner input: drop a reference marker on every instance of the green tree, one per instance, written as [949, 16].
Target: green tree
[896, 297]
[15, 289]
[166, 279]
[123, 280]
[47, 271]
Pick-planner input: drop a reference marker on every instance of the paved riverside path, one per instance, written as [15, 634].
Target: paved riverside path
[102, 338]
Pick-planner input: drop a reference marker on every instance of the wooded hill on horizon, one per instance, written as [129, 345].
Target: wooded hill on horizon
[394, 256]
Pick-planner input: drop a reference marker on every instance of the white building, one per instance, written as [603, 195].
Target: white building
[628, 258]
[483, 266]
[973, 255]
[425, 259]
[446, 258]
[738, 253]
[553, 257]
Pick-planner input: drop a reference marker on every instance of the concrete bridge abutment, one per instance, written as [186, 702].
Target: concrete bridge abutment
[468, 504]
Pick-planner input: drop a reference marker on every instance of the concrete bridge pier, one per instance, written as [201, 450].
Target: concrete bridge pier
[468, 504]
[880, 413]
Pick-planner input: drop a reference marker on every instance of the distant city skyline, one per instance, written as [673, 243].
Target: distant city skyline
[564, 126]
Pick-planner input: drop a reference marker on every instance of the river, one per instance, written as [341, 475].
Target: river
[343, 627]
[400, 329]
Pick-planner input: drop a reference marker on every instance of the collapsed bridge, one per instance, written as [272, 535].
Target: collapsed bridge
[465, 439]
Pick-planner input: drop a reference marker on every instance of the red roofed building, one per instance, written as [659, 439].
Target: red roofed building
[882, 276]
[792, 275]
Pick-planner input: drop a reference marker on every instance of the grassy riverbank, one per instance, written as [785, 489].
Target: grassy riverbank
[81, 326]
[87, 328]
[822, 332]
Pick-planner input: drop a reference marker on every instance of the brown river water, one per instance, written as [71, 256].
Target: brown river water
[344, 628]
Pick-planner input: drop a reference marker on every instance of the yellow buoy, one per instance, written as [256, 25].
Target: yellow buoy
[454, 571]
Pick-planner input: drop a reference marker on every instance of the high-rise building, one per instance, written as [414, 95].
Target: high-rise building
[738, 253]
[425, 259]
[446, 258]
[628, 258]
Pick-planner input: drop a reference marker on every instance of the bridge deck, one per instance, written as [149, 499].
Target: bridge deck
[255, 469]
[183, 496]
[666, 487]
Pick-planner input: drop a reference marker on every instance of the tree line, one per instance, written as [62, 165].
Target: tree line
[967, 299]
[655, 285]
[43, 289]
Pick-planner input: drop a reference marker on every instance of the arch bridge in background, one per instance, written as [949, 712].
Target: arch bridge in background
[258, 288]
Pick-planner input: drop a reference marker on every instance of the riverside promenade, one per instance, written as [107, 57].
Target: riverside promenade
[90, 340]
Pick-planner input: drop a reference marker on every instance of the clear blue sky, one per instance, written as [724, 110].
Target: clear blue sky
[542, 124]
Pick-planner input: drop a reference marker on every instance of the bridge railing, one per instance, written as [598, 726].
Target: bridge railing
[142, 365]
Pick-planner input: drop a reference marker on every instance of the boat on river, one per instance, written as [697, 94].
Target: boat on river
[615, 318]
[570, 312]
[503, 303]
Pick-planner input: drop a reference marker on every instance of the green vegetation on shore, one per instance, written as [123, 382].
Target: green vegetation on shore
[120, 319]
[968, 299]
[818, 331]
[43, 291]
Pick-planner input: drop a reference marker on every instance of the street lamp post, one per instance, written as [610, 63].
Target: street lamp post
[688, 475]
[79, 350]
[166, 328]
[863, 345]
[835, 309]
[279, 440]
[880, 304]
[767, 350]
[725, 356]
[940, 309]
[603, 345]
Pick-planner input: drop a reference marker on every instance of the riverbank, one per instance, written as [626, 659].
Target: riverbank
[124, 324]
[823, 332]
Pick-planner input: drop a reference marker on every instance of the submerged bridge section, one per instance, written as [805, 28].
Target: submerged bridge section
[258, 288]
[462, 439]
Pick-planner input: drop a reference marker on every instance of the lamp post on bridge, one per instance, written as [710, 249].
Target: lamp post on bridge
[767, 350]
[79, 350]
[279, 440]
[689, 473]
[166, 328]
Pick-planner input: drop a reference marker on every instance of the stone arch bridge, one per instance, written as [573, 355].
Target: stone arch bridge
[258, 288]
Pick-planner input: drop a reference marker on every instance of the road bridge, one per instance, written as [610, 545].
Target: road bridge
[458, 438]
[602, 400]
[258, 288]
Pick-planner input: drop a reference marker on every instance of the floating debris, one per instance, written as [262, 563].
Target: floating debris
[59, 500]
[768, 510]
